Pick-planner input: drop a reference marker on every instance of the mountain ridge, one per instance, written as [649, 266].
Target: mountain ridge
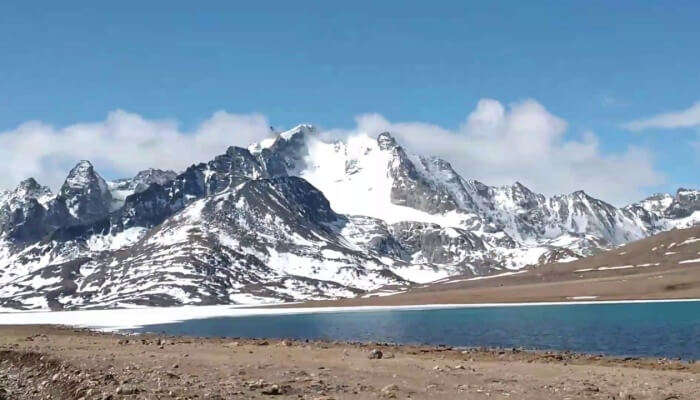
[311, 219]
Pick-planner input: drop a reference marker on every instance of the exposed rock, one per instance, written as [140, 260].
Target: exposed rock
[375, 354]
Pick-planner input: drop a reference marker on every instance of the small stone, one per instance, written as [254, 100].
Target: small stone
[389, 391]
[273, 390]
[127, 390]
[259, 384]
[375, 354]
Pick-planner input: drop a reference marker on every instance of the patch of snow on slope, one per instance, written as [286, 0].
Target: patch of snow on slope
[478, 278]
[689, 240]
[117, 241]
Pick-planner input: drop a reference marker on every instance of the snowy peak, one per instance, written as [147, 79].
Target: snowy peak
[298, 131]
[657, 203]
[685, 206]
[517, 197]
[298, 134]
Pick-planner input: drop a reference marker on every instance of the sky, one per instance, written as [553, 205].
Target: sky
[559, 95]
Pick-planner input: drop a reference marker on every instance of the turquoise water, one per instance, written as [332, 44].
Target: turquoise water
[636, 329]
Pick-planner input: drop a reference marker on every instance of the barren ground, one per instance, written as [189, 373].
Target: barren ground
[42, 362]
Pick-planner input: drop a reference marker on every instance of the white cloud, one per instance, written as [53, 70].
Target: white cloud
[121, 145]
[524, 142]
[688, 118]
[495, 144]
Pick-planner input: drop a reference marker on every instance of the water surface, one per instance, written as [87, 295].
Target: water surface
[632, 329]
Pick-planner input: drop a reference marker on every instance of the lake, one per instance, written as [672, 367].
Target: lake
[631, 329]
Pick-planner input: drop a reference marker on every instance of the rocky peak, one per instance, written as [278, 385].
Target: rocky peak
[686, 202]
[121, 188]
[285, 156]
[30, 188]
[683, 193]
[386, 141]
[523, 197]
[581, 200]
[522, 188]
[522, 192]
[83, 174]
[579, 194]
[152, 175]
[85, 193]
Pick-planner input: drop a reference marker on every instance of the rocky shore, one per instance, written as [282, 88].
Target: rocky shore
[44, 362]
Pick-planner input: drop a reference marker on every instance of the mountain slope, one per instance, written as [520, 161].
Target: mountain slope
[663, 266]
[293, 218]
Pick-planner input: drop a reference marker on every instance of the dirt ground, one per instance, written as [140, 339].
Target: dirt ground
[43, 362]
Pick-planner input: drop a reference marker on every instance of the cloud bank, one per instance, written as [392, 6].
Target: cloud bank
[525, 142]
[120, 146]
[688, 118]
[496, 144]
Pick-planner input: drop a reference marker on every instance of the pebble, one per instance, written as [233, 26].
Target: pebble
[273, 390]
[375, 354]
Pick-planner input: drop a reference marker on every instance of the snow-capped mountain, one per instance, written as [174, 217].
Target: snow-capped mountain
[291, 218]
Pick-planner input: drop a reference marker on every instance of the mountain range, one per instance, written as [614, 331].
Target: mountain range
[291, 218]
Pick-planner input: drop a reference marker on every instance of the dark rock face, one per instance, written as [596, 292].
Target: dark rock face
[23, 218]
[685, 203]
[409, 188]
[159, 201]
[437, 245]
[286, 155]
[85, 193]
[144, 179]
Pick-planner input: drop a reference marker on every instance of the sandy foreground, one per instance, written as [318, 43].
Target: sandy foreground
[48, 362]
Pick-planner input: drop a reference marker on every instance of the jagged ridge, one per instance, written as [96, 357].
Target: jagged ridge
[293, 218]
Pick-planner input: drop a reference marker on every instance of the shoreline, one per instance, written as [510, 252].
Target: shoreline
[103, 319]
[39, 361]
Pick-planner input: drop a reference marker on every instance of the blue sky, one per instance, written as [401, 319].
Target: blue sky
[596, 65]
